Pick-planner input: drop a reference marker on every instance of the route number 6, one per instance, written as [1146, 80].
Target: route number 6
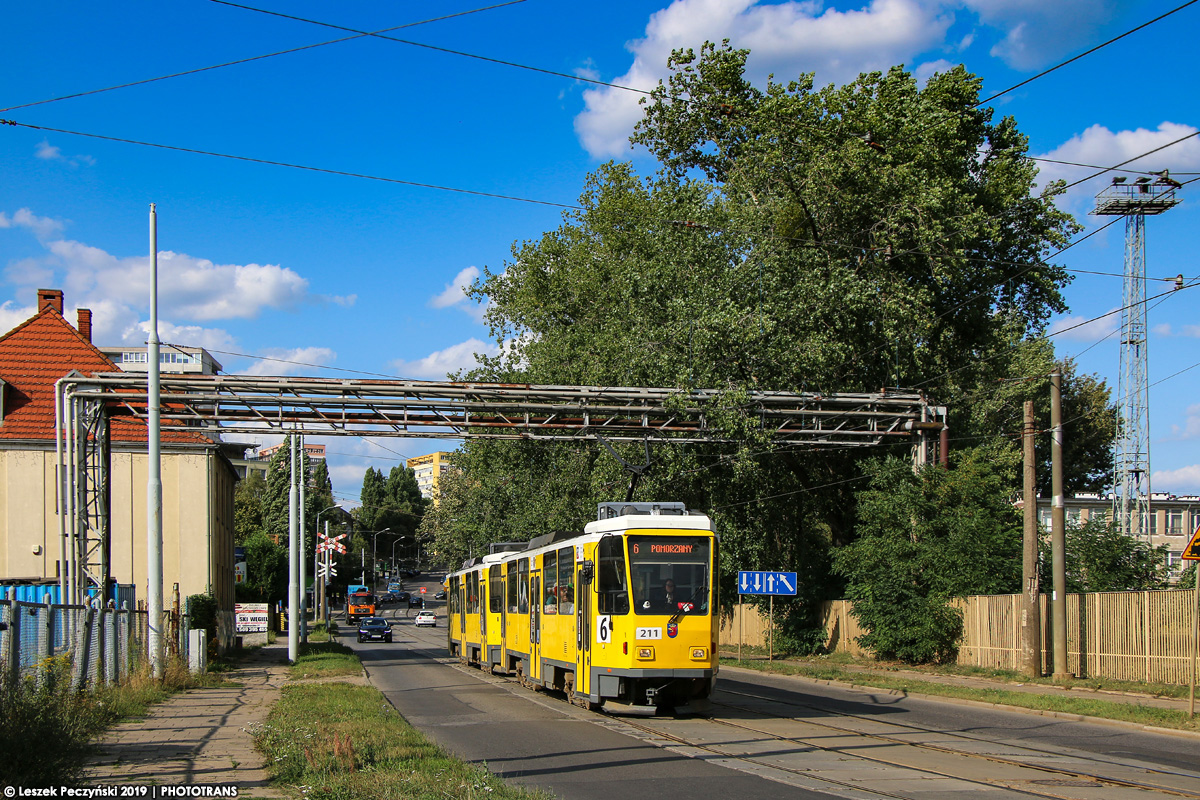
[604, 628]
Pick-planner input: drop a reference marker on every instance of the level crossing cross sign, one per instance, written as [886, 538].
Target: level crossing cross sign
[760, 582]
[1192, 551]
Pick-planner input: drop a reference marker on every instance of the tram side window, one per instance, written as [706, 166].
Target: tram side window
[473, 593]
[452, 597]
[566, 581]
[523, 586]
[550, 605]
[511, 592]
[495, 590]
[610, 576]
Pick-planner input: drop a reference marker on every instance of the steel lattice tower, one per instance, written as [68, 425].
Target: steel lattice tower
[1131, 457]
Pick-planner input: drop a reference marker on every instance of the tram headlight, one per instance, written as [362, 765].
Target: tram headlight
[645, 653]
[699, 653]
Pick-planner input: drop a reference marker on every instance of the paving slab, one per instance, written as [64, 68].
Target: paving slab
[198, 737]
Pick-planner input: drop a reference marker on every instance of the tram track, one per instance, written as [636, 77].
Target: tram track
[919, 729]
[1059, 781]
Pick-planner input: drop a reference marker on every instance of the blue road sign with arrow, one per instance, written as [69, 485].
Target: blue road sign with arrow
[751, 582]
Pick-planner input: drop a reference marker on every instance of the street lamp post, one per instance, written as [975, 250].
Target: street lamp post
[374, 539]
[321, 606]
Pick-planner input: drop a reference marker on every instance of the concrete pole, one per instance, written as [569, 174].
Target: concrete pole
[301, 480]
[1058, 532]
[293, 563]
[1031, 607]
[154, 523]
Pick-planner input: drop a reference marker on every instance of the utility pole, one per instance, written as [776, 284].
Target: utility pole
[154, 509]
[1058, 534]
[293, 563]
[302, 559]
[1031, 606]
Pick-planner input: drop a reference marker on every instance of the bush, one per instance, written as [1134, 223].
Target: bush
[46, 728]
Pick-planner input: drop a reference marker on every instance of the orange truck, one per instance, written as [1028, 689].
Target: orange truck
[359, 604]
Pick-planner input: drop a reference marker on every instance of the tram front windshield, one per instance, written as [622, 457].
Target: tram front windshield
[669, 574]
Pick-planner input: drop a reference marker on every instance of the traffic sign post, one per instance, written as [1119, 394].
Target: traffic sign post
[771, 584]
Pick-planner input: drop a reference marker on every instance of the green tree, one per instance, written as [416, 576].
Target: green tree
[248, 499]
[924, 540]
[1099, 558]
[266, 570]
[834, 240]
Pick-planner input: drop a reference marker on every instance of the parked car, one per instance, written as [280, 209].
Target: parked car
[440, 595]
[374, 629]
[425, 618]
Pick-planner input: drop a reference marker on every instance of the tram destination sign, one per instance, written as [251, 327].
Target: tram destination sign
[759, 582]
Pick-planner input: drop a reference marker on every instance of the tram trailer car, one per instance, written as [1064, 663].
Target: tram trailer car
[589, 613]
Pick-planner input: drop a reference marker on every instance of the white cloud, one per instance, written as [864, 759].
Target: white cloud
[48, 152]
[1086, 331]
[1036, 31]
[925, 71]
[1190, 429]
[189, 287]
[787, 39]
[294, 361]
[1098, 145]
[13, 315]
[1185, 480]
[456, 291]
[439, 364]
[42, 227]
[1166, 329]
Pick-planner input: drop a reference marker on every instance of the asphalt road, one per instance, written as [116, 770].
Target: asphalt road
[540, 740]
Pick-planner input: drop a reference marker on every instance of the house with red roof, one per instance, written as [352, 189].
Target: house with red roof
[198, 480]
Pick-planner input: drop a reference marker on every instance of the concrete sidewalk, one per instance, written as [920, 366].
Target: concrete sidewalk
[200, 736]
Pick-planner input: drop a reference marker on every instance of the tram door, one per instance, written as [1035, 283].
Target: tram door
[583, 628]
[503, 638]
[535, 623]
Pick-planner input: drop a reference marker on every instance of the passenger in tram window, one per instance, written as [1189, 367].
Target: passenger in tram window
[567, 600]
[551, 600]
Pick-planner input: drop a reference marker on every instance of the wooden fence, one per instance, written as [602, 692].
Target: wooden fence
[1134, 636]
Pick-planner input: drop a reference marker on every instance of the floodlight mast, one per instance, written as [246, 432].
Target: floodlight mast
[1131, 456]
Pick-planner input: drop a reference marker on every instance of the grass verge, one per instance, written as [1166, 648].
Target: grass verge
[325, 660]
[1084, 706]
[334, 740]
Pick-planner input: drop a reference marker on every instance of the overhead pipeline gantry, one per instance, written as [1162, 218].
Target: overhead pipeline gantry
[214, 405]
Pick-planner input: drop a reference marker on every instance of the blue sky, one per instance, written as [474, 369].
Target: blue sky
[264, 262]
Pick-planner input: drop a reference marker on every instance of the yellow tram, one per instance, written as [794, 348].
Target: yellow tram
[622, 615]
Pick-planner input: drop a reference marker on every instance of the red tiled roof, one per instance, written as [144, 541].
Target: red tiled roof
[33, 356]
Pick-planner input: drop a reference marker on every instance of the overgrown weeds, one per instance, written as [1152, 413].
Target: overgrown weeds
[47, 727]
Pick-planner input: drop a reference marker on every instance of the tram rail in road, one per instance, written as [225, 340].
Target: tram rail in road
[792, 737]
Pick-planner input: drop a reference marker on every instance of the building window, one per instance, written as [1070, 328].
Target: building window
[1195, 522]
[1073, 516]
[1044, 518]
[1175, 522]
[1174, 561]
